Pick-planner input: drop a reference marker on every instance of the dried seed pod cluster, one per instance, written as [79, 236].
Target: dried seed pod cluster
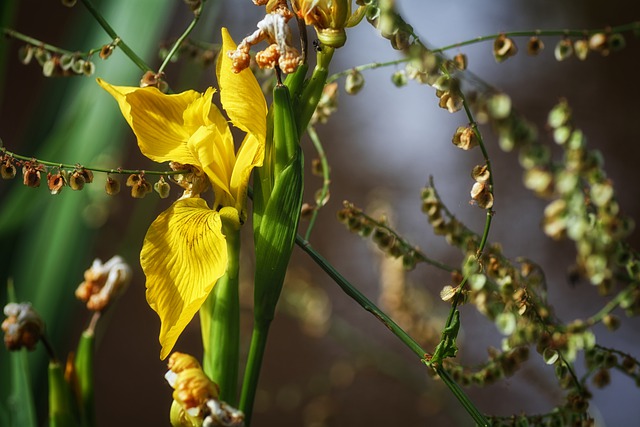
[55, 64]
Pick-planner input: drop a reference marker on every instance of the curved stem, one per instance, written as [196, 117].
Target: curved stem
[315, 139]
[121, 44]
[178, 43]
[365, 303]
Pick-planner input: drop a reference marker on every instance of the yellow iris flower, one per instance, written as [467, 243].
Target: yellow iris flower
[184, 251]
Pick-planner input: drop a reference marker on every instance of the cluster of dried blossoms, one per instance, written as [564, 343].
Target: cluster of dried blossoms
[603, 43]
[57, 178]
[57, 65]
[103, 282]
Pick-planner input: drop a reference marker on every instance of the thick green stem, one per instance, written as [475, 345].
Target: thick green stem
[220, 318]
[252, 370]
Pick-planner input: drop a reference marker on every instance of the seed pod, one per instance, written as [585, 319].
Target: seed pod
[354, 82]
[564, 49]
[112, 186]
[581, 48]
[25, 53]
[77, 180]
[162, 187]
[106, 51]
[8, 169]
[31, 175]
[55, 183]
[504, 48]
[465, 138]
[534, 46]
[399, 78]
[460, 61]
[141, 189]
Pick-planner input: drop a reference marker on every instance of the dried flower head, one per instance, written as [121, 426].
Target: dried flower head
[77, 180]
[162, 187]
[274, 30]
[481, 194]
[192, 388]
[23, 327]
[465, 138]
[103, 283]
[153, 79]
[139, 186]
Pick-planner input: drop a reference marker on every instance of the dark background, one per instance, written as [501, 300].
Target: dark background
[382, 144]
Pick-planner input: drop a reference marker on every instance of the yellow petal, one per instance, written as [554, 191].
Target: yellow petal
[158, 120]
[250, 155]
[240, 93]
[183, 255]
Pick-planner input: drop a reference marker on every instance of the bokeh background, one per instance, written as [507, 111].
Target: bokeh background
[328, 363]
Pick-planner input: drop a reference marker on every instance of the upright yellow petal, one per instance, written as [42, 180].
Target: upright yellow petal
[183, 255]
[157, 120]
[240, 93]
[250, 155]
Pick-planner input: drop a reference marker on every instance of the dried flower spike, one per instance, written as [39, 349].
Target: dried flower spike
[23, 327]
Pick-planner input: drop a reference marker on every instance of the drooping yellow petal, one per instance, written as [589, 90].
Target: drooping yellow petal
[157, 120]
[183, 255]
[240, 93]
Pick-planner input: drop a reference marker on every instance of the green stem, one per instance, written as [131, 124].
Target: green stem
[315, 139]
[610, 306]
[220, 318]
[121, 44]
[365, 303]
[51, 48]
[178, 43]
[252, 370]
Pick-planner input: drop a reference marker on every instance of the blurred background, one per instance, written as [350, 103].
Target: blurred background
[328, 362]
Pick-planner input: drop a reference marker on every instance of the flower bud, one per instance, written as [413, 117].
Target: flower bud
[399, 78]
[23, 327]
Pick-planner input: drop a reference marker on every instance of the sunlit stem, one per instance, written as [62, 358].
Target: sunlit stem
[220, 319]
[178, 43]
[109, 30]
[368, 305]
